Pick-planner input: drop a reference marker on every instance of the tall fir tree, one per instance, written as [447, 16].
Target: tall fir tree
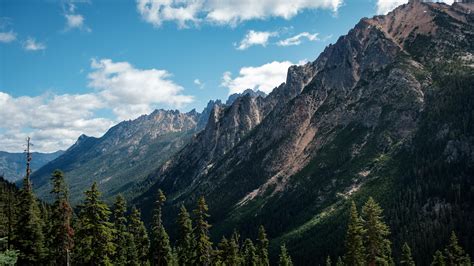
[160, 242]
[438, 259]
[455, 254]
[185, 242]
[262, 247]
[120, 233]
[62, 232]
[328, 261]
[376, 235]
[140, 236]
[407, 258]
[29, 229]
[284, 259]
[94, 236]
[355, 251]
[339, 262]
[249, 253]
[203, 242]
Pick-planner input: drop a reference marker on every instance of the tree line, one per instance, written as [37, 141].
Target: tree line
[36, 233]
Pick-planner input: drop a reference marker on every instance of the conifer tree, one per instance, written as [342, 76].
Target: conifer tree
[455, 254]
[376, 232]
[249, 253]
[160, 242]
[262, 247]
[228, 253]
[139, 235]
[62, 232]
[328, 261]
[438, 259]
[120, 233]
[132, 251]
[285, 259]
[94, 236]
[407, 258]
[339, 262]
[29, 234]
[203, 243]
[355, 251]
[185, 243]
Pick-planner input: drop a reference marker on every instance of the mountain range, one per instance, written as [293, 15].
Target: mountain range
[387, 111]
[13, 167]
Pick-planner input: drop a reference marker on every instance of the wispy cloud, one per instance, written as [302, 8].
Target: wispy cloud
[199, 83]
[32, 45]
[255, 38]
[385, 6]
[298, 39]
[7, 37]
[74, 20]
[193, 12]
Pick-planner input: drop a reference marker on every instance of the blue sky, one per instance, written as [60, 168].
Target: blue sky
[73, 67]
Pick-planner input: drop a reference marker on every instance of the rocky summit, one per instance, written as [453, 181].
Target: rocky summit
[357, 121]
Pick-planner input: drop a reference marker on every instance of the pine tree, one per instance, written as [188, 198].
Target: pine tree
[328, 261]
[120, 233]
[185, 243]
[160, 242]
[131, 251]
[95, 233]
[455, 254]
[438, 259]
[355, 251]
[262, 247]
[203, 243]
[285, 259]
[407, 258]
[62, 232]
[376, 233]
[140, 236]
[29, 234]
[339, 262]
[249, 253]
[228, 252]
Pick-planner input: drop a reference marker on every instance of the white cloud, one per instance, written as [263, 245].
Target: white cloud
[385, 6]
[265, 77]
[199, 83]
[73, 19]
[131, 91]
[232, 12]
[53, 121]
[298, 39]
[32, 45]
[7, 37]
[56, 121]
[255, 38]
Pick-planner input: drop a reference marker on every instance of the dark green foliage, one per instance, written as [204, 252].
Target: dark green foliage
[376, 233]
[328, 261]
[29, 230]
[438, 259]
[229, 251]
[285, 259]
[160, 243]
[139, 236]
[186, 242]
[262, 247]
[455, 254]
[62, 232]
[203, 242]
[355, 251]
[120, 233]
[407, 258]
[7, 256]
[339, 262]
[249, 253]
[94, 235]
[9, 198]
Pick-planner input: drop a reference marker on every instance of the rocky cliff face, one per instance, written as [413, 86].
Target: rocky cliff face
[335, 128]
[123, 156]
